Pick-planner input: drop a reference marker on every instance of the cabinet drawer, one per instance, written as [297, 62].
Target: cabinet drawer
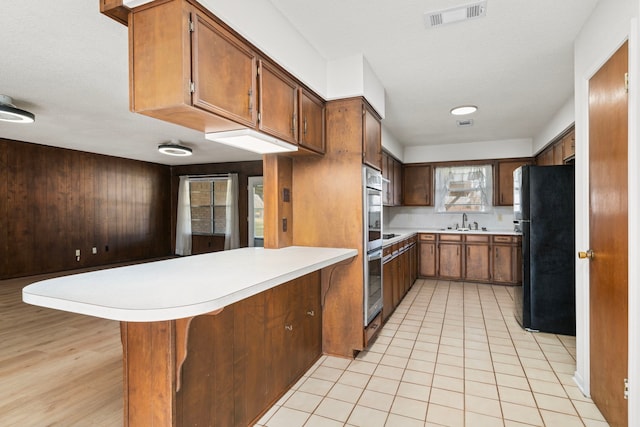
[430, 237]
[504, 239]
[451, 237]
[477, 238]
[371, 331]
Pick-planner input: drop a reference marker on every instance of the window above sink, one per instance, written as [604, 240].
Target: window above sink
[464, 189]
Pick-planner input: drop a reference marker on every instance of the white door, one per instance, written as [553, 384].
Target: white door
[256, 211]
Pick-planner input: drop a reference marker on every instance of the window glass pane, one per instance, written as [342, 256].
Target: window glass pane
[220, 219]
[464, 188]
[220, 193]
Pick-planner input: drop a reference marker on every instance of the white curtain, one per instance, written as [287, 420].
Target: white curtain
[183, 218]
[232, 231]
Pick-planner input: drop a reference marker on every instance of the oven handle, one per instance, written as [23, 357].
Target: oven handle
[375, 254]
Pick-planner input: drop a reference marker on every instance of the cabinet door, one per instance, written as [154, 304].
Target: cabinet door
[278, 104]
[372, 139]
[569, 145]
[477, 262]
[387, 290]
[558, 158]
[311, 122]
[450, 260]
[310, 315]
[397, 182]
[387, 174]
[224, 71]
[503, 264]
[428, 256]
[416, 185]
[504, 193]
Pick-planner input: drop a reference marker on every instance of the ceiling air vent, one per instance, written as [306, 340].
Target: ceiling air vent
[456, 14]
[464, 123]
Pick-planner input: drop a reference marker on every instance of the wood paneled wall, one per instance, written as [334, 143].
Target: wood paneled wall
[54, 201]
[244, 171]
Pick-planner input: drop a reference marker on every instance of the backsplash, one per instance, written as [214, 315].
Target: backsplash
[425, 217]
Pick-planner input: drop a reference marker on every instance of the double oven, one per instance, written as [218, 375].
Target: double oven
[372, 221]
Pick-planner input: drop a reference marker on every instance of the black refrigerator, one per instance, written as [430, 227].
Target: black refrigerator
[544, 211]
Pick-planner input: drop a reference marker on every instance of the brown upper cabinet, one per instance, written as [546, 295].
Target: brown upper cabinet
[417, 181]
[560, 151]
[392, 188]
[504, 180]
[569, 145]
[188, 68]
[312, 112]
[278, 103]
[372, 138]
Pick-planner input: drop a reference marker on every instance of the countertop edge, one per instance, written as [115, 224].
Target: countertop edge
[42, 293]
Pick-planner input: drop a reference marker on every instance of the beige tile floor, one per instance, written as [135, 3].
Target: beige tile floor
[450, 355]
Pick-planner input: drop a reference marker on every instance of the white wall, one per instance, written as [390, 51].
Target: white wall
[502, 149]
[391, 144]
[611, 23]
[560, 122]
[419, 217]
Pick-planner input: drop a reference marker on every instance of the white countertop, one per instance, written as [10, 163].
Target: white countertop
[180, 287]
[403, 233]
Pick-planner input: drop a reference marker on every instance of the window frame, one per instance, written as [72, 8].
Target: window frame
[212, 205]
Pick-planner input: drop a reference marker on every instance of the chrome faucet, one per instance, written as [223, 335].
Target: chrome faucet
[464, 219]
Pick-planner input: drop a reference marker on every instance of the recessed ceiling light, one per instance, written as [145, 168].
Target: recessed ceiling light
[463, 110]
[175, 149]
[9, 112]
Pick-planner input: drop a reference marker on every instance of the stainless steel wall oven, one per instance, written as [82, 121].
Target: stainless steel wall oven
[372, 209]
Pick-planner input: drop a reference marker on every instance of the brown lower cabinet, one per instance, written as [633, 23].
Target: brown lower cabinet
[471, 257]
[399, 272]
[237, 363]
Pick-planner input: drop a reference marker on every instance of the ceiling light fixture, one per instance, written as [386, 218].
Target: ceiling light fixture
[464, 110]
[251, 140]
[174, 149]
[9, 112]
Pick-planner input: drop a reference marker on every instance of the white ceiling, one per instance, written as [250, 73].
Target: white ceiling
[67, 63]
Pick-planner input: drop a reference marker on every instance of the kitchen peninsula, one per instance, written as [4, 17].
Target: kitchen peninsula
[207, 339]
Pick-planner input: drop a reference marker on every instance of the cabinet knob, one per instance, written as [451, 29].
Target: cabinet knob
[588, 254]
[288, 327]
[311, 313]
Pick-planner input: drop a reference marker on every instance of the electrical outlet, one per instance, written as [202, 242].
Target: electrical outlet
[94, 250]
[77, 252]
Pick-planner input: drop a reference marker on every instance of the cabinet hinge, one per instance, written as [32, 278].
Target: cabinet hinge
[626, 82]
[626, 389]
[192, 87]
[192, 26]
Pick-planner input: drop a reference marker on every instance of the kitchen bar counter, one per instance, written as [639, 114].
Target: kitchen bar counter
[180, 287]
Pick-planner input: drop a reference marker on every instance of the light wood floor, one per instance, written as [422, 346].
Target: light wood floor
[56, 368]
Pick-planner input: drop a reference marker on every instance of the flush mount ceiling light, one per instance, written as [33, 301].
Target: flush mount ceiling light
[464, 110]
[9, 112]
[174, 149]
[456, 14]
[251, 140]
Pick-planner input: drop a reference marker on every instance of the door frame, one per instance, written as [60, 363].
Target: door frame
[252, 180]
[581, 375]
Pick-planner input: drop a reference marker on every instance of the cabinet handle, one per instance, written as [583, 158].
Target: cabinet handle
[501, 197]
[431, 249]
[468, 251]
[305, 125]
[496, 253]
[250, 93]
[311, 313]
[293, 125]
[288, 327]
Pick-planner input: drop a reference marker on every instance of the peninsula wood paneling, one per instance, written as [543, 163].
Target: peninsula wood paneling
[55, 201]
